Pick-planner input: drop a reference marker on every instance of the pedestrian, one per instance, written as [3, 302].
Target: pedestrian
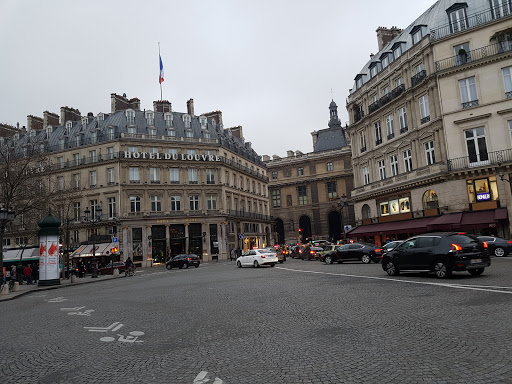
[14, 276]
[19, 273]
[35, 272]
[232, 255]
[28, 274]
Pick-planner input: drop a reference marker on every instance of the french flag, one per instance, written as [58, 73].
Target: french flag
[161, 77]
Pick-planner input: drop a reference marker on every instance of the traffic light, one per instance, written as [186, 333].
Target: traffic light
[300, 230]
[113, 250]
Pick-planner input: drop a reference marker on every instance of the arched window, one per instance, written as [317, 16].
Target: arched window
[430, 200]
[366, 212]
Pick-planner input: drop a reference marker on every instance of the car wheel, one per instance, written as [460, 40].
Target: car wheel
[272, 264]
[168, 266]
[256, 265]
[328, 260]
[281, 261]
[441, 270]
[239, 264]
[185, 265]
[499, 252]
[391, 268]
[366, 259]
[476, 272]
[197, 265]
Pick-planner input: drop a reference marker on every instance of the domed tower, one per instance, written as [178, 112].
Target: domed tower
[334, 121]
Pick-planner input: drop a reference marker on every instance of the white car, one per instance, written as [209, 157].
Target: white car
[257, 258]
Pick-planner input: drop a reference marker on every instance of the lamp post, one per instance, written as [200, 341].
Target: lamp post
[342, 202]
[6, 216]
[94, 218]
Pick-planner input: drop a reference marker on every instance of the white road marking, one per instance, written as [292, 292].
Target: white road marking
[112, 327]
[456, 286]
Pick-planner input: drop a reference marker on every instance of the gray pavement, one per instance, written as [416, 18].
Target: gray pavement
[299, 322]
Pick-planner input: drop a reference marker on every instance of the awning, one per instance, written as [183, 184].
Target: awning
[501, 214]
[102, 249]
[478, 219]
[446, 222]
[14, 254]
[405, 226]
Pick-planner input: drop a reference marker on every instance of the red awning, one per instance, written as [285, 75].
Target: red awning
[479, 219]
[406, 226]
[446, 222]
[500, 214]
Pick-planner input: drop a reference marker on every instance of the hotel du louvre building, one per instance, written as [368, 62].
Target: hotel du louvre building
[167, 182]
[431, 124]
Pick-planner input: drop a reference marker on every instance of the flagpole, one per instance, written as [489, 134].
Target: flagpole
[159, 58]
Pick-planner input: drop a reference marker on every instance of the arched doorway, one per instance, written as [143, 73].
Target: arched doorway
[304, 229]
[279, 230]
[334, 226]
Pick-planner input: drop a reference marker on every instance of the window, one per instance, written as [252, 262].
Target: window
[78, 140]
[186, 121]
[192, 176]
[69, 125]
[210, 176]
[111, 133]
[202, 122]
[476, 146]
[385, 61]
[62, 143]
[276, 198]
[130, 116]
[189, 134]
[303, 197]
[153, 150]
[194, 203]
[92, 156]
[483, 189]
[390, 127]
[373, 71]
[402, 117]
[462, 53]
[92, 179]
[150, 119]
[191, 152]
[510, 127]
[288, 201]
[424, 109]
[154, 175]
[393, 161]
[111, 207]
[430, 200]
[366, 175]
[111, 176]
[134, 175]
[366, 211]
[468, 94]
[274, 175]
[378, 133]
[300, 171]
[93, 204]
[330, 167]
[132, 130]
[168, 120]
[407, 161]
[175, 203]
[174, 175]
[60, 162]
[60, 183]
[501, 8]
[458, 20]
[133, 149]
[399, 81]
[171, 132]
[374, 98]
[362, 140]
[76, 181]
[429, 152]
[382, 169]
[134, 203]
[507, 80]
[385, 90]
[156, 203]
[416, 36]
[332, 192]
[212, 202]
[419, 68]
[76, 211]
[397, 52]
[94, 137]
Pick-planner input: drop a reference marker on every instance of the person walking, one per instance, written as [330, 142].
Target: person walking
[19, 273]
[14, 276]
[35, 272]
[28, 274]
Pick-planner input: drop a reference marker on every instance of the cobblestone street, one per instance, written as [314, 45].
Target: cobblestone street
[299, 322]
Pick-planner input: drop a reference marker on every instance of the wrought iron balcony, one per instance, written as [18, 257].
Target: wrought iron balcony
[496, 157]
[403, 130]
[358, 116]
[391, 136]
[469, 104]
[363, 149]
[508, 95]
[472, 21]
[475, 55]
[378, 141]
[386, 98]
[418, 78]
[425, 119]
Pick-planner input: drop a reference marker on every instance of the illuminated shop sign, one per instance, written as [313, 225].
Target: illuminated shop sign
[169, 156]
[394, 207]
[483, 196]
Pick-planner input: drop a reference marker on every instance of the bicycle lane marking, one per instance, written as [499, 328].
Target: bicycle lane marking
[455, 286]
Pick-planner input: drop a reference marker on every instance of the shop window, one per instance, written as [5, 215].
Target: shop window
[483, 189]
[366, 211]
[430, 200]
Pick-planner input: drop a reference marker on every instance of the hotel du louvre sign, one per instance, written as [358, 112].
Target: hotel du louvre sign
[170, 156]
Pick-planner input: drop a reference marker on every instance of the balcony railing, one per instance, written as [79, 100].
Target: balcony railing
[403, 130]
[508, 95]
[391, 136]
[472, 21]
[425, 119]
[358, 116]
[497, 157]
[418, 78]
[386, 98]
[475, 55]
[469, 104]
[249, 215]
[378, 141]
[363, 149]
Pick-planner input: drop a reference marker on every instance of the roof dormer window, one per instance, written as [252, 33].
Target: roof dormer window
[213, 123]
[417, 33]
[151, 131]
[458, 17]
[69, 125]
[186, 121]
[150, 118]
[398, 49]
[130, 116]
[48, 131]
[84, 123]
[100, 117]
[203, 122]
[168, 119]
[16, 136]
[189, 133]
[78, 140]
[373, 69]
[171, 132]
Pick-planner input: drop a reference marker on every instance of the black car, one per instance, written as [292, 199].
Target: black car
[441, 253]
[391, 245]
[497, 247]
[355, 251]
[183, 261]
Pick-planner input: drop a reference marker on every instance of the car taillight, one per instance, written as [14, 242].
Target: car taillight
[378, 250]
[300, 250]
[284, 253]
[312, 252]
[262, 256]
[485, 244]
[188, 259]
[509, 242]
[455, 247]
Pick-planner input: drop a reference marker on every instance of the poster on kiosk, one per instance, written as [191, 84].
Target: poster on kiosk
[49, 257]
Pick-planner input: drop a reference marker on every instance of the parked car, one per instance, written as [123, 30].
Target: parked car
[441, 253]
[109, 269]
[497, 246]
[296, 251]
[311, 253]
[326, 248]
[256, 258]
[391, 245]
[355, 251]
[184, 260]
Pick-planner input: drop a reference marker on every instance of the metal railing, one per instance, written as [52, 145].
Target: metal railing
[386, 98]
[403, 130]
[496, 157]
[248, 215]
[508, 95]
[470, 22]
[418, 78]
[469, 104]
[475, 55]
[358, 116]
[425, 119]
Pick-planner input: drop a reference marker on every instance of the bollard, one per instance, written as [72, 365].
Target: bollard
[16, 287]
[73, 279]
[116, 272]
[5, 290]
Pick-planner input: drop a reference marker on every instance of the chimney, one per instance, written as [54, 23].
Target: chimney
[34, 122]
[69, 114]
[50, 119]
[7, 130]
[217, 115]
[314, 134]
[289, 153]
[385, 35]
[237, 132]
[266, 158]
[275, 157]
[190, 107]
[162, 106]
[121, 103]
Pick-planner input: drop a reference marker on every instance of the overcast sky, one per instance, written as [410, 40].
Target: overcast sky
[269, 66]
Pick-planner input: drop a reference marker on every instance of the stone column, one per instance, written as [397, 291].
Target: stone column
[207, 251]
[167, 240]
[126, 242]
[186, 237]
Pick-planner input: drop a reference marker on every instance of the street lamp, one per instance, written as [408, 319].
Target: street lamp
[6, 216]
[342, 202]
[94, 218]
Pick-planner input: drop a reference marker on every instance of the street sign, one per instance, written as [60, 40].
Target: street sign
[347, 228]
[114, 239]
[241, 236]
